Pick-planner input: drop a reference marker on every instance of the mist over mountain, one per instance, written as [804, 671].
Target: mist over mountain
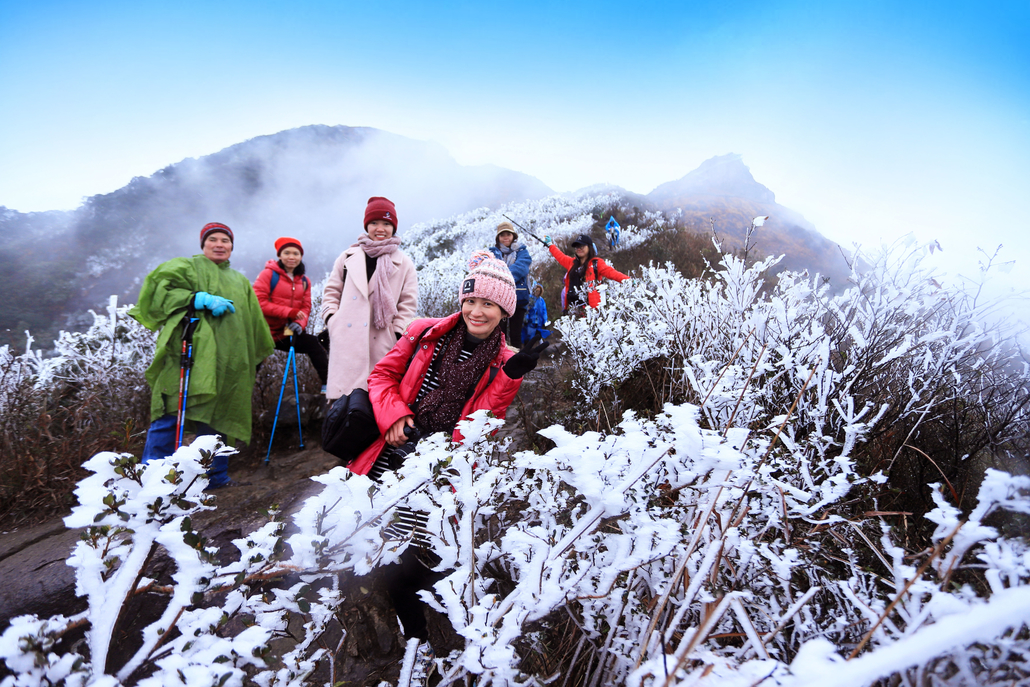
[313, 183]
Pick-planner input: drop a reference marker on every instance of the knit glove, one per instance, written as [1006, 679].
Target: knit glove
[216, 304]
[525, 360]
[548, 241]
[295, 328]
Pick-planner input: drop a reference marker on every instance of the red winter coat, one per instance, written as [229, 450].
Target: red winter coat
[394, 384]
[292, 294]
[597, 269]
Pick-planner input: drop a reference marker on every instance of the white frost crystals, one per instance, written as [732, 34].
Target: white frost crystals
[717, 543]
[126, 510]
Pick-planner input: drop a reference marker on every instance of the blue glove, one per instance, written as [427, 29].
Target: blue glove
[295, 328]
[547, 241]
[216, 304]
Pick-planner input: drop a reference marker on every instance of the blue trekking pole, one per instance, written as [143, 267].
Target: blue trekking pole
[292, 359]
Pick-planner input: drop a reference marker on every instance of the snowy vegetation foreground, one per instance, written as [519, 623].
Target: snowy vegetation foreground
[716, 543]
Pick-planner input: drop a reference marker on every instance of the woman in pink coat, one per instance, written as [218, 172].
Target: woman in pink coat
[367, 302]
[440, 372]
[284, 294]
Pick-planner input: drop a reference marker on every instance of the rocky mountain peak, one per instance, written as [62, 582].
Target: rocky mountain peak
[723, 175]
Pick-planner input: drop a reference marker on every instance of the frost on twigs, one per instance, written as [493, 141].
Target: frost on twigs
[722, 535]
[126, 511]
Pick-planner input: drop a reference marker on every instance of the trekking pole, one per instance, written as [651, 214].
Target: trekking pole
[286, 373]
[185, 365]
[523, 228]
[296, 394]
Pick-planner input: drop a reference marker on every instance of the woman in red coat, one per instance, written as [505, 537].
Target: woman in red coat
[583, 274]
[284, 294]
[439, 372]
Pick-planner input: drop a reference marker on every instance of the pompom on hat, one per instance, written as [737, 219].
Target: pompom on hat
[285, 242]
[212, 227]
[380, 208]
[490, 279]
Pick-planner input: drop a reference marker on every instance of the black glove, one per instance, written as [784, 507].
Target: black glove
[295, 328]
[525, 360]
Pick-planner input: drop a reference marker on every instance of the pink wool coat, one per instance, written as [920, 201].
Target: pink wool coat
[355, 345]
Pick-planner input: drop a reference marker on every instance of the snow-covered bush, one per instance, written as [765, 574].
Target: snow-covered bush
[441, 249]
[729, 536]
[928, 367]
[57, 410]
[126, 511]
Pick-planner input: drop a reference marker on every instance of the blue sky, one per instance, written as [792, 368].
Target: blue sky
[871, 118]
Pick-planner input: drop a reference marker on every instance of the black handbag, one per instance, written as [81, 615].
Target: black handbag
[349, 427]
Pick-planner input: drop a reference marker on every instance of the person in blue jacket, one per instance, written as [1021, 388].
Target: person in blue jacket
[536, 316]
[516, 256]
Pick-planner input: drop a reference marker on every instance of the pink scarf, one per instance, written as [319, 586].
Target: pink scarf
[384, 306]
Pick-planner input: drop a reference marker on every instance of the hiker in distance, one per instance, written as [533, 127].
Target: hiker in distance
[441, 371]
[536, 316]
[284, 293]
[230, 339]
[368, 300]
[516, 256]
[584, 273]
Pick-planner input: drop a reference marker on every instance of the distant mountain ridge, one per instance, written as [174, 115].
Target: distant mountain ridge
[724, 175]
[313, 182]
[722, 196]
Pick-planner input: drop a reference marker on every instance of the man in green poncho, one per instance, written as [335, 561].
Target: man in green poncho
[230, 340]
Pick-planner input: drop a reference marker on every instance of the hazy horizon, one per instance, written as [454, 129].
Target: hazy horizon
[871, 121]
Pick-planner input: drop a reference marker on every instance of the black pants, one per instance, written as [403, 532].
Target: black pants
[513, 333]
[405, 579]
[308, 343]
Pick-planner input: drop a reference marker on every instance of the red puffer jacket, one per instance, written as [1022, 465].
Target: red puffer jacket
[394, 383]
[597, 271]
[292, 296]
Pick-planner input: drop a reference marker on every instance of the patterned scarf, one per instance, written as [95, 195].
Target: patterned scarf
[441, 408]
[509, 253]
[384, 302]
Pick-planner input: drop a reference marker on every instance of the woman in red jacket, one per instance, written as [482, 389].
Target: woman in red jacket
[284, 294]
[439, 372]
[583, 274]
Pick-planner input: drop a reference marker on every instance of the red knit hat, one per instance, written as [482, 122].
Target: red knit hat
[212, 227]
[284, 241]
[380, 208]
[489, 278]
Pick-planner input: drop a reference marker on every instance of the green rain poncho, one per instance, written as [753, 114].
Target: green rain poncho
[226, 349]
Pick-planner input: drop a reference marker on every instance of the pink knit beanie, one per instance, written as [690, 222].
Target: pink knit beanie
[491, 279]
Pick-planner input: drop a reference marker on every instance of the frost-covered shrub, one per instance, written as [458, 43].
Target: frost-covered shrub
[721, 542]
[441, 249]
[924, 369]
[90, 394]
[126, 511]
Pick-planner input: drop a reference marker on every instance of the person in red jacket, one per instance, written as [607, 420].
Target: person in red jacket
[439, 372]
[583, 274]
[284, 294]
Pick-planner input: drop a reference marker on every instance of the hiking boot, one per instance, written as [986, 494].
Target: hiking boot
[418, 664]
